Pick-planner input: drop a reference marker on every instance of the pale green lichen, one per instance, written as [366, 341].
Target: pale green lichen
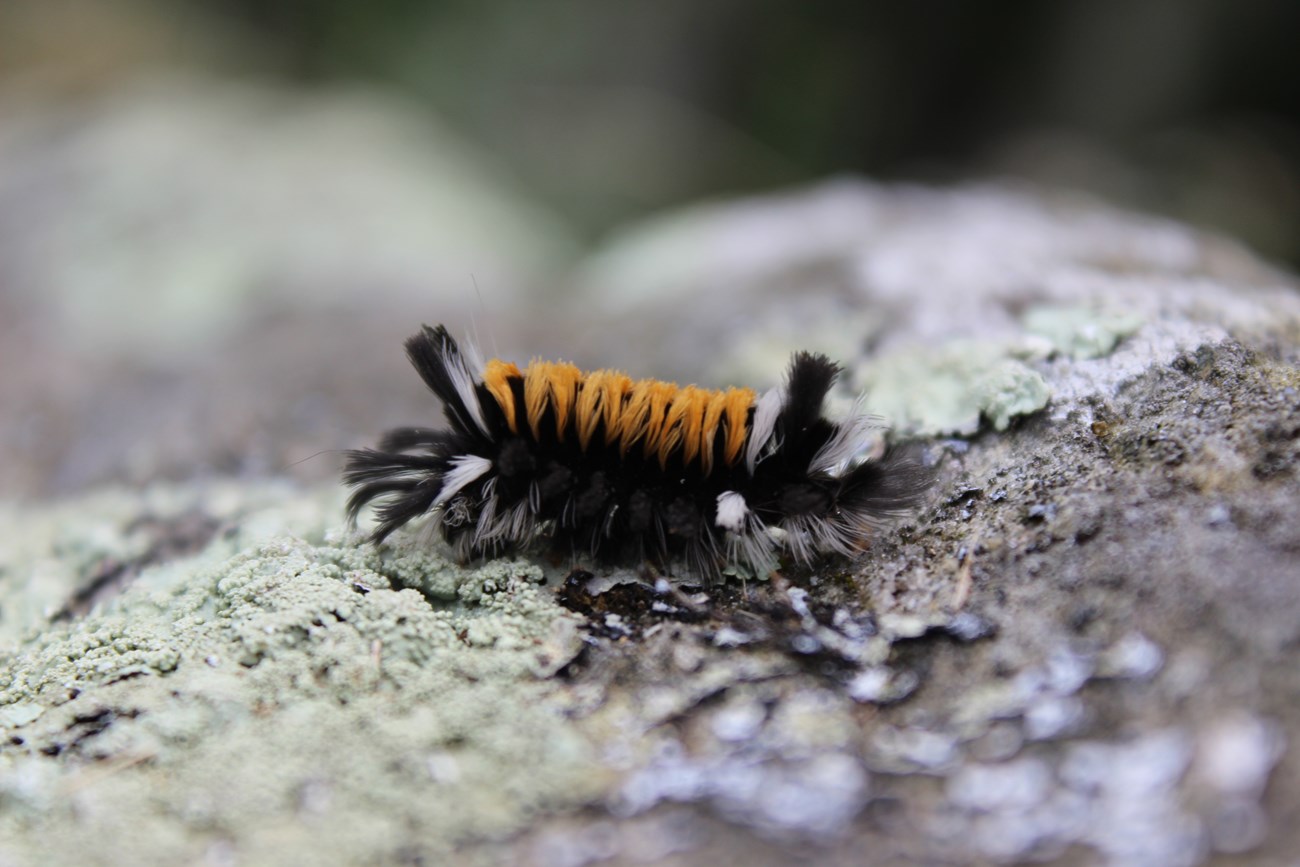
[946, 390]
[20, 714]
[1080, 332]
[47, 554]
[294, 701]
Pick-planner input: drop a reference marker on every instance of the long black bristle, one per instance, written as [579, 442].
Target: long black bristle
[430, 352]
[807, 384]
[891, 485]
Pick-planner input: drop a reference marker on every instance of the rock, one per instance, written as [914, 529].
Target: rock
[1075, 648]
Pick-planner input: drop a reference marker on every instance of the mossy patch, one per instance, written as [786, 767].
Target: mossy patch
[304, 702]
[1080, 332]
[949, 389]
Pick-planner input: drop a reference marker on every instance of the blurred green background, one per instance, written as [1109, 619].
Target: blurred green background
[606, 111]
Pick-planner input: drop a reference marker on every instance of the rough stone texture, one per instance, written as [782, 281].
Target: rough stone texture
[1074, 652]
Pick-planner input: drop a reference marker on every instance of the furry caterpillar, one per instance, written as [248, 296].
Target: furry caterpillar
[631, 469]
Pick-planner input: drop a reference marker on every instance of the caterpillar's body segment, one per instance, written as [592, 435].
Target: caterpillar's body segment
[631, 469]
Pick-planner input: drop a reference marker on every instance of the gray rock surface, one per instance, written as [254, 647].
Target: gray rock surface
[1076, 651]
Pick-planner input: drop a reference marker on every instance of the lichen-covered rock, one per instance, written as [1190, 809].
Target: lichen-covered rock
[291, 702]
[1075, 650]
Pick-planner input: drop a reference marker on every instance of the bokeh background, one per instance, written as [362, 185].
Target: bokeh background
[219, 219]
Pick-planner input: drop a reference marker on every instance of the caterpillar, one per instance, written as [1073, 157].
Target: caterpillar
[631, 470]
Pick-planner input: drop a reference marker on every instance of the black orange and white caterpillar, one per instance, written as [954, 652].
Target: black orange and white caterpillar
[632, 470]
